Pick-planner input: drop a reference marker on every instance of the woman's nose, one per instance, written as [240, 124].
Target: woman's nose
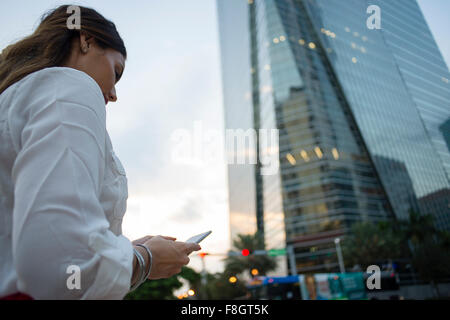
[112, 95]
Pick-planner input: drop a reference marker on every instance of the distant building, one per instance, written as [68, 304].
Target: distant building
[437, 204]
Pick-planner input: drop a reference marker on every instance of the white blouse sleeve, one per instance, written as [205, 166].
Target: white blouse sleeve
[62, 245]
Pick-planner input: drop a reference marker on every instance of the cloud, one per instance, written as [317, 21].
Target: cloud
[190, 212]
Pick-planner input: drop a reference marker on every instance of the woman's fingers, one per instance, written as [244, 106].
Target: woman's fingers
[190, 247]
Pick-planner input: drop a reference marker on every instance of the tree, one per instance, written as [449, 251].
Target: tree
[431, 262]
[429, 248]
[220, 288]
[368, 243]
[162, 289]
[418, 228]
[235, 265]
[415, 239]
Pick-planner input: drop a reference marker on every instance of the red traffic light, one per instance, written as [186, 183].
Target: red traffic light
[245, 252]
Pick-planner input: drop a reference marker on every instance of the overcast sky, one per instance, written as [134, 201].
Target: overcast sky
[171, 80]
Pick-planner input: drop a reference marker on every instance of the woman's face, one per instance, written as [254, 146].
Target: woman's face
[105, 66]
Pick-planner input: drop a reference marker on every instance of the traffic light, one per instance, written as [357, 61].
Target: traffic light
[245, 252]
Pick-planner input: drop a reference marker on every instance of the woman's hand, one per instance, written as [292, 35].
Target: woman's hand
[169, 256]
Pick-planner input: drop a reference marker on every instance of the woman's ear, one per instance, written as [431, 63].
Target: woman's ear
[85, 42]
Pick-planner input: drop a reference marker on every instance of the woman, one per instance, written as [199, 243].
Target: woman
[63, 190]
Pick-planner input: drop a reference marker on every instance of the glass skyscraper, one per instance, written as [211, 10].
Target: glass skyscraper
[363, 118]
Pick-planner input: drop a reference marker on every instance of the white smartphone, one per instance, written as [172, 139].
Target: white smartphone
[198, 238]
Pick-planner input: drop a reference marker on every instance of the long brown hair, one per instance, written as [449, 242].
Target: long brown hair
[50, 44]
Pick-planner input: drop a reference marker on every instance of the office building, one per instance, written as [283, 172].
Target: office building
[362, 115]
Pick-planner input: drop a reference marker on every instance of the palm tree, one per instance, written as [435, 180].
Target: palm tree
[418, 228]
[238, 264]
[429, 248]
[369, 243]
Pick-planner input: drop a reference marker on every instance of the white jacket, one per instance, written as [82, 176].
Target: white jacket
[62, 191]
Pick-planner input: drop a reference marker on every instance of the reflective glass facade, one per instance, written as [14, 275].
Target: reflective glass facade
[395, 81]
[238, 111]
[362, 116]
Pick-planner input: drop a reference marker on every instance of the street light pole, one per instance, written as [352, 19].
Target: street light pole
[337, 241]
[291, 257]
[204, 293]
